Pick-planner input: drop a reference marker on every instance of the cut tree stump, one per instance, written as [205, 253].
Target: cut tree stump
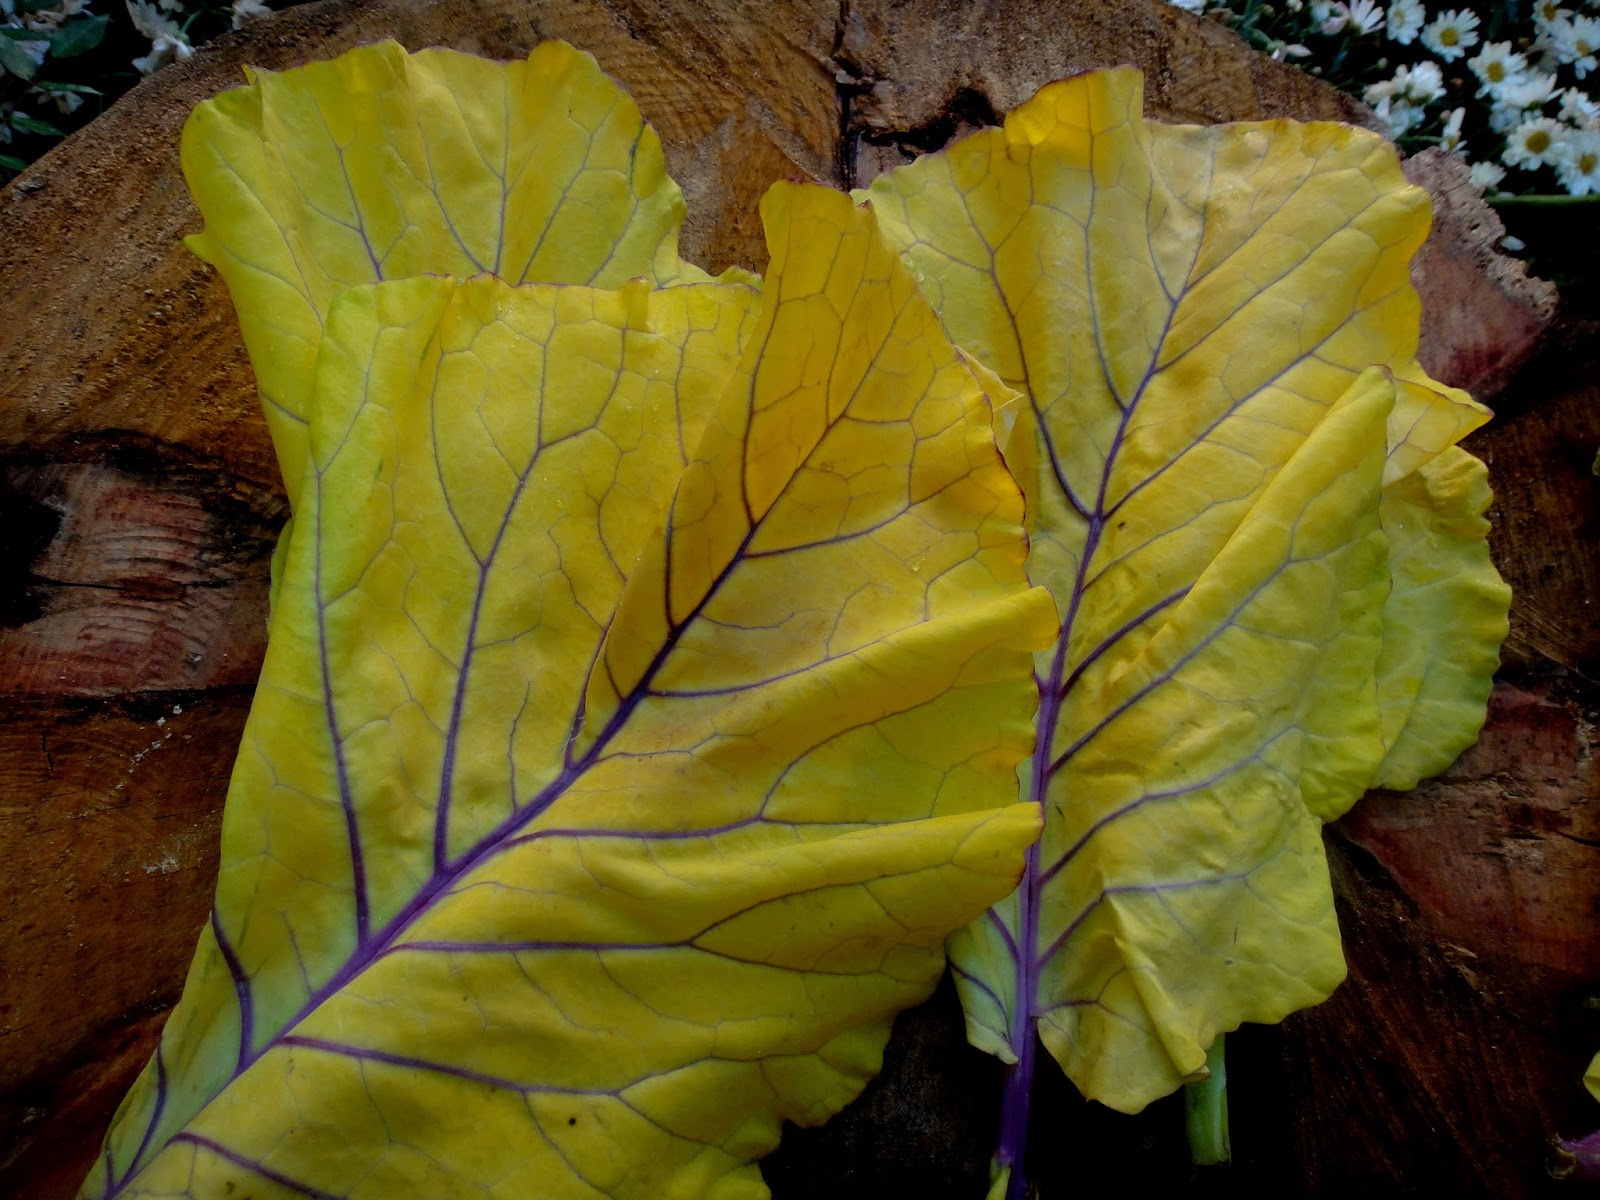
[139, 503]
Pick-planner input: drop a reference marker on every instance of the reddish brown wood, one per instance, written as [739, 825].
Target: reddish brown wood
[1501, 855]
[1546, 515]
[108, 833]
[138, 502]
[1483, 317]
[153, 574]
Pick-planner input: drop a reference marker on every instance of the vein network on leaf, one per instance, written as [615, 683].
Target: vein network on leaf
[1267, 550]
[653, 662]
[548, 861]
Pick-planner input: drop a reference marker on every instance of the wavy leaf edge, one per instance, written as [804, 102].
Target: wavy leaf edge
[837, 583]
[1135, 282]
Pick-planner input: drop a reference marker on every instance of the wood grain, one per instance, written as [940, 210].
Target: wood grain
[138, 504]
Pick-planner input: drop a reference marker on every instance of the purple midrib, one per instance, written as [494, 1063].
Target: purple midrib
[446, 874]
[1023, 1033]
[1015, 1105]
[1028, 958]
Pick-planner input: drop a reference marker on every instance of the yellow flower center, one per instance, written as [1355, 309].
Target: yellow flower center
[1496, 71]
[1537, 141]
[1587, 163]
[1448, 36]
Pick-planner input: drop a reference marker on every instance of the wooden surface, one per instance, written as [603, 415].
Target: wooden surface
[138, 503]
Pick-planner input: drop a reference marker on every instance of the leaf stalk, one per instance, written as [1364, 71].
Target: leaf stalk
[1205, 1104]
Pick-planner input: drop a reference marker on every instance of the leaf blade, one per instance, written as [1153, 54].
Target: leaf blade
[1444, 620]
[1182, 308]
[660, 910]
[1168, 934]
[73, 38]
[539, 170]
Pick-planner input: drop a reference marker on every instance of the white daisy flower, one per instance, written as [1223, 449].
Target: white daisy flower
[1487, 175]
[167, 40]
[1577, 42]
[165, 48]
[1579, 169]
[1366, 16]
[1537, 142]
[1360, 17]
[1450, 137]
[1422, 83]
[1496, 65]
[1548, 12]
[1405, 21]
[1503, 118]
[1399, 116]
[1321, 10]
[1577, 109]
[1376, 93]
[150, 22]
[1532, 90]
[248, 10]
[1279, 51]
[1194, 6]
[1415, 86]
[1451, 33]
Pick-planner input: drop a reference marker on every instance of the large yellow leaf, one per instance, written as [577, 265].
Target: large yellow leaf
[381, 164]
[1246, 497]
[639, 717]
